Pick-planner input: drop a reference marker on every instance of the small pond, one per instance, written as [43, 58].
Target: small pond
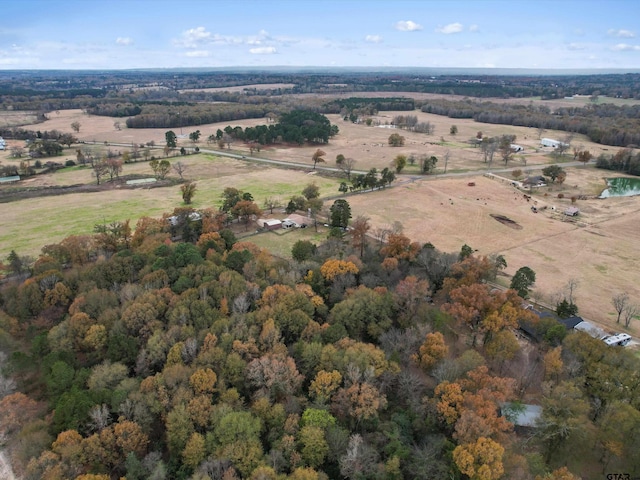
[621, 187]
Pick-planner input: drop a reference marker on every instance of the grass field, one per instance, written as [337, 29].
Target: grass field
[280, 242]
[25, 223]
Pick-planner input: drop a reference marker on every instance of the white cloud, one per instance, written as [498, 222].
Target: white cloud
[576, 46]
[621, 33]
[124, 41]
[263, 50]
[451, 28]
[623, 47]
[473, 28]
[194, 36]
[407, 26]
[373, 38]
[197, 53]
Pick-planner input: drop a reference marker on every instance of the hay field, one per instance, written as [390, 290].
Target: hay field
[598, 250]
[367, 145]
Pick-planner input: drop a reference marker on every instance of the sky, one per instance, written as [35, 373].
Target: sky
[131, 34]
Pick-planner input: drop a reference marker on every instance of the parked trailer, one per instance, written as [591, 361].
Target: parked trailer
[620, 339]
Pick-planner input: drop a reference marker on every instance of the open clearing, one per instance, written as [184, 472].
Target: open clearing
[598, 250]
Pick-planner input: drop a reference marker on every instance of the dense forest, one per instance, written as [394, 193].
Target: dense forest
[606, 124]
[297, 126]
[127, 354]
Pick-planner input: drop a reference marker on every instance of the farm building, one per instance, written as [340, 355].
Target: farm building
[571, 322]
[535, 181]
[516, 148]
[3, 144]
[591, 330]
[14, 178]
[549, 142]
[572, 211]
[270, 224]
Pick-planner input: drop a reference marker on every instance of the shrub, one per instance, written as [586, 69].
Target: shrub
[561, 195]
[69, 163]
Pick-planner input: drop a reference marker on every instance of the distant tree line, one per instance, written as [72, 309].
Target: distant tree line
[370, 106]
[624, 161]
[23, 134]
[160, 117]
[606, 124]
[410, 122]
[298, 126]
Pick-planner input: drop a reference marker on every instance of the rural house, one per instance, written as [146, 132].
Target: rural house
[535, 181]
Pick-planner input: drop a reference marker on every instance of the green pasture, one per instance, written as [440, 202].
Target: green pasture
[280, 242]
[27, 225]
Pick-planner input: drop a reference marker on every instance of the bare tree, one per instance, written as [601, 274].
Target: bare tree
[571, 287]
[630, 313]
[564, 144]
[346, 166]
[272, 202]
[179, 168]
[76, 126]
[227, 139]
[446, 157]
[381, 234]
[100, 417]
[17, 152]
[620, 302]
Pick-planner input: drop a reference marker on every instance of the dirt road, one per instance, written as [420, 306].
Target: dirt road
[6, 473]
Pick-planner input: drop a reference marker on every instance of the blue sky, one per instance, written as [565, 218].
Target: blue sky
[116, 34]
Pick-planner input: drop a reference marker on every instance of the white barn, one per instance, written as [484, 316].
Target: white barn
[549, 142]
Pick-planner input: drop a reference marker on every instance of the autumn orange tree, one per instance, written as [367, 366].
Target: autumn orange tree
[400, 247]
[333, 268]
[432, 349]
[480, 460]
[471, 405]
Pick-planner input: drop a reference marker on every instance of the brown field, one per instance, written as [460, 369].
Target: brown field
[597, 250]
[367, 145]
[17, 118]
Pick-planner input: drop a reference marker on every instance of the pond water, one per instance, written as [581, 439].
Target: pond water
[621, 187]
